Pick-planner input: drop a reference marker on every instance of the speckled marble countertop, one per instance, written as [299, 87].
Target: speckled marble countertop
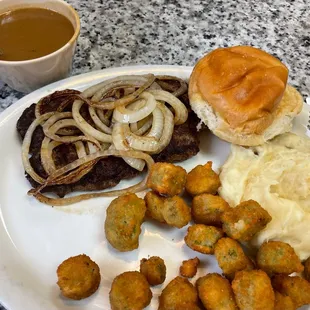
[119, 33]
[178, 32]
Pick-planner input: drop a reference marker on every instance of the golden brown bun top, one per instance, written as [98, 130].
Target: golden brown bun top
[243, 85]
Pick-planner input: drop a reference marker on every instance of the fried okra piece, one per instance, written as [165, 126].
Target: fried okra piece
[189, 267]
[253, 290]
[123, 222]
[78, 277]
[245, 220]
[283, 302]
[131, 291]
[207, 209]
[278, 257]
[176, 212]
[202, 238]
[202, 179]
[154, 269]
[179, 294]
[298, 289]
[307, 269]
[154, 206]
[216, 293]
[167, 179]
[231, 258]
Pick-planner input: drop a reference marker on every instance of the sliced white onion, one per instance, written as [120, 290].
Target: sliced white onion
[26, 147]
[45, 158]
[55, 117]
[183, 86]
[58, 123]
[157, 125]
[138, 104]
[141, 81]
[120, 144]
[150, 144]
[168, 128]
[46, 154]
[123, 115]
[103, 117]
[97, 92]
[145, 124]
[140, 143]
[80, 149]
[68, 131]
[85, 127]
[134, 126]
[180, 110]
[101, 125]
[91, 148]
[70, 200]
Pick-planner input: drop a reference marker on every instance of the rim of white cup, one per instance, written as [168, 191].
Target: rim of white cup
[71, 41]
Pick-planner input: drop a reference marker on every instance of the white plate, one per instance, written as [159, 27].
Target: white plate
[35, 238]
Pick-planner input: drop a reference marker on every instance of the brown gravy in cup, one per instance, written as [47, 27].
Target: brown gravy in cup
[29, 33]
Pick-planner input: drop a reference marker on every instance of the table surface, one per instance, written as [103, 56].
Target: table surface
[179, 32]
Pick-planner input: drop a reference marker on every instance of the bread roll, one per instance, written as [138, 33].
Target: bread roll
[241, 94]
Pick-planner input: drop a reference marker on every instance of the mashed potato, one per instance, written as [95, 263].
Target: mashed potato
[277, 175]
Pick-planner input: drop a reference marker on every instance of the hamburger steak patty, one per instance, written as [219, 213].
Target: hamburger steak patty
[109, 171]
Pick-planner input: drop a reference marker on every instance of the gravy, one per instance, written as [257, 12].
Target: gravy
[30, 33]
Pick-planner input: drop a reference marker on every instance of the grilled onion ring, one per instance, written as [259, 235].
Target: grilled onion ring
[85, 127]
[180, 91]
[180, 110]
[124, 115]
[120, 144]
[70, 200]
[47, 147]
[145, 81]
[26, 147]
[150, 144]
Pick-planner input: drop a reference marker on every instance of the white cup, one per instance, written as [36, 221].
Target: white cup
[28, 75]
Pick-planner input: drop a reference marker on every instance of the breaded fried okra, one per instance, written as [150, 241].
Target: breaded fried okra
[188, 268]
[166, 179]
[123, 222]
[202, 179]
[231, 258]
[216, 293]
[154, 269]
[202, 238]
[179, 294]
[78, 277]
[278, 257]
[207, 209]
[245, 220]
[298, 289]
[253, 290]
[176, 212]
[131, 291]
